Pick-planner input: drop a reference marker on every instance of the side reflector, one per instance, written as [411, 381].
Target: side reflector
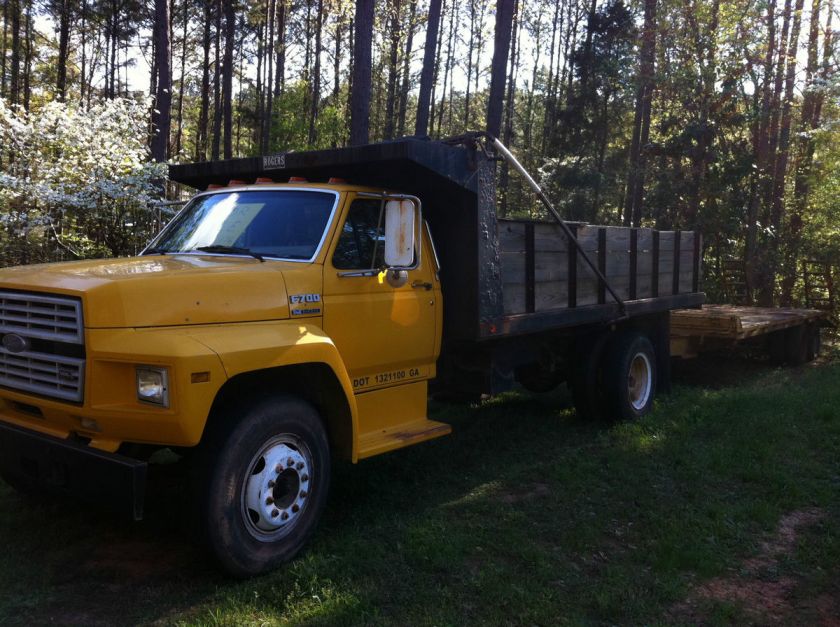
[199, 377]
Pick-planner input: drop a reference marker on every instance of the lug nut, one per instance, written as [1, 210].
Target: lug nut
[295, 508]
[275, 513]
[304, 494]
[278, 468]
[304, 477]
[290, 462]
[299, 465]
[271, 484]
[269, 501]
[285, 516]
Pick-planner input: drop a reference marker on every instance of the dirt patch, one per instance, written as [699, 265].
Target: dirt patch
[764, 597]
[530, 492]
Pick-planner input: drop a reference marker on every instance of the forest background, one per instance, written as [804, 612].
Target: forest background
[678, 114]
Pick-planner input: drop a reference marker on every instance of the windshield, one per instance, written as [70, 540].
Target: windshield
[288, 224]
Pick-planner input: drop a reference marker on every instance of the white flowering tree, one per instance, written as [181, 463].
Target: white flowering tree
[76, 182]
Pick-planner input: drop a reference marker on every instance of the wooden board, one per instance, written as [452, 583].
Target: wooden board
[540, 273]
[736, 322]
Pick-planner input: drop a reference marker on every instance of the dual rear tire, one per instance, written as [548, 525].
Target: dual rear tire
[615, 377]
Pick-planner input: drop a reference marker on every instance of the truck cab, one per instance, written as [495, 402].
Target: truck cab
[325, 293]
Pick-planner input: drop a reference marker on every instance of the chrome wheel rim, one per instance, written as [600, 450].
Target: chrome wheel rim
[276, 487]
[639, 381]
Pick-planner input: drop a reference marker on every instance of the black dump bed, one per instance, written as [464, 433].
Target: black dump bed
[499, 277]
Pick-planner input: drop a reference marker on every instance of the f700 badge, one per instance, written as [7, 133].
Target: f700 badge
[305, 304]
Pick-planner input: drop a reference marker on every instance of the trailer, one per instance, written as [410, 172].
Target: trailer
[301, 308]
[790, 335]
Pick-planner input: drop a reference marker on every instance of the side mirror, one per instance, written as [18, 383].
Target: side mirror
[400, 221]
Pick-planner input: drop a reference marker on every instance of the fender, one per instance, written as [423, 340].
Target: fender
[249, 347]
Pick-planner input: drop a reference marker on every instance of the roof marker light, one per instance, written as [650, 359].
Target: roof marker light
[234, 182]
[336, 180]
[297, 179]
[264, 179]
[214, 186]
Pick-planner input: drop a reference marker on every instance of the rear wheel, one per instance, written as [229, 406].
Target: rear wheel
[796, 345]
[813, 342]
[263, 485]
[629, 377]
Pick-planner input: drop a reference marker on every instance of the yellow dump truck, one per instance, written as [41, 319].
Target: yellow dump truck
[297, 310]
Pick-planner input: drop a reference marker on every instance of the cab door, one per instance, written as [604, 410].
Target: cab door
[385, 330]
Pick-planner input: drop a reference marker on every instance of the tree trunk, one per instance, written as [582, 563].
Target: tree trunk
[269, 81]
[217, 86]
[549, 101]
[760, 157]
[204, 111]
[163, 99]
[360, 99]
[27, 59]
[260, 91]
[808, 123]
[436, 72]
[280, 71]
[227, 77]
[447, 67]
[316, 76]
[179, 134]
[4, 46]
[421, 126]
[706, 62]
[393, 57]
[767, 279]
[63, 45]
[406, 70]
[14, 80]
[339, 28]
[634, 193]
[498, 68]
[507, 129]
[470, 52]
[780, 171]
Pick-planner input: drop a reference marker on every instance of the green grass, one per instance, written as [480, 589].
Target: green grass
[524, 515]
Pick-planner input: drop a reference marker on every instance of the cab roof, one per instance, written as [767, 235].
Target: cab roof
[401, 164]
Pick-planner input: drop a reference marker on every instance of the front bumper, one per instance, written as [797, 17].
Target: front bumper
[71, 468]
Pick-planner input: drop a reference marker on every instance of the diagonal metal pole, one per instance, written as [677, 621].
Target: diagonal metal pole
[508, 156]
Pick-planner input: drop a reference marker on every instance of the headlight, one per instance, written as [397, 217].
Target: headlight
[153, 385]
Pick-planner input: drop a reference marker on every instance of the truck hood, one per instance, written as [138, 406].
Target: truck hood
[163, 290]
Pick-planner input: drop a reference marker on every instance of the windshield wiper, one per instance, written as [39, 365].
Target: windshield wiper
[231, 250]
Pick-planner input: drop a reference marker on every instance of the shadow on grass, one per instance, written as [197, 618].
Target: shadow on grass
[523, 515]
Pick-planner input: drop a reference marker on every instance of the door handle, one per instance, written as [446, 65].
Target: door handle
[422, 285]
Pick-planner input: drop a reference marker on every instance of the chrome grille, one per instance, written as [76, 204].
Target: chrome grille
[45, 317]
[51, 375]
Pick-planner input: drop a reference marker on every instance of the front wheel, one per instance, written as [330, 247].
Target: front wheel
[265, 483]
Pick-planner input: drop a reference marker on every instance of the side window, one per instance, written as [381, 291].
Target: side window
[361, 245]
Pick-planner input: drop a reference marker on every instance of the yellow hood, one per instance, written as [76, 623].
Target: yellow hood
[163, 290]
